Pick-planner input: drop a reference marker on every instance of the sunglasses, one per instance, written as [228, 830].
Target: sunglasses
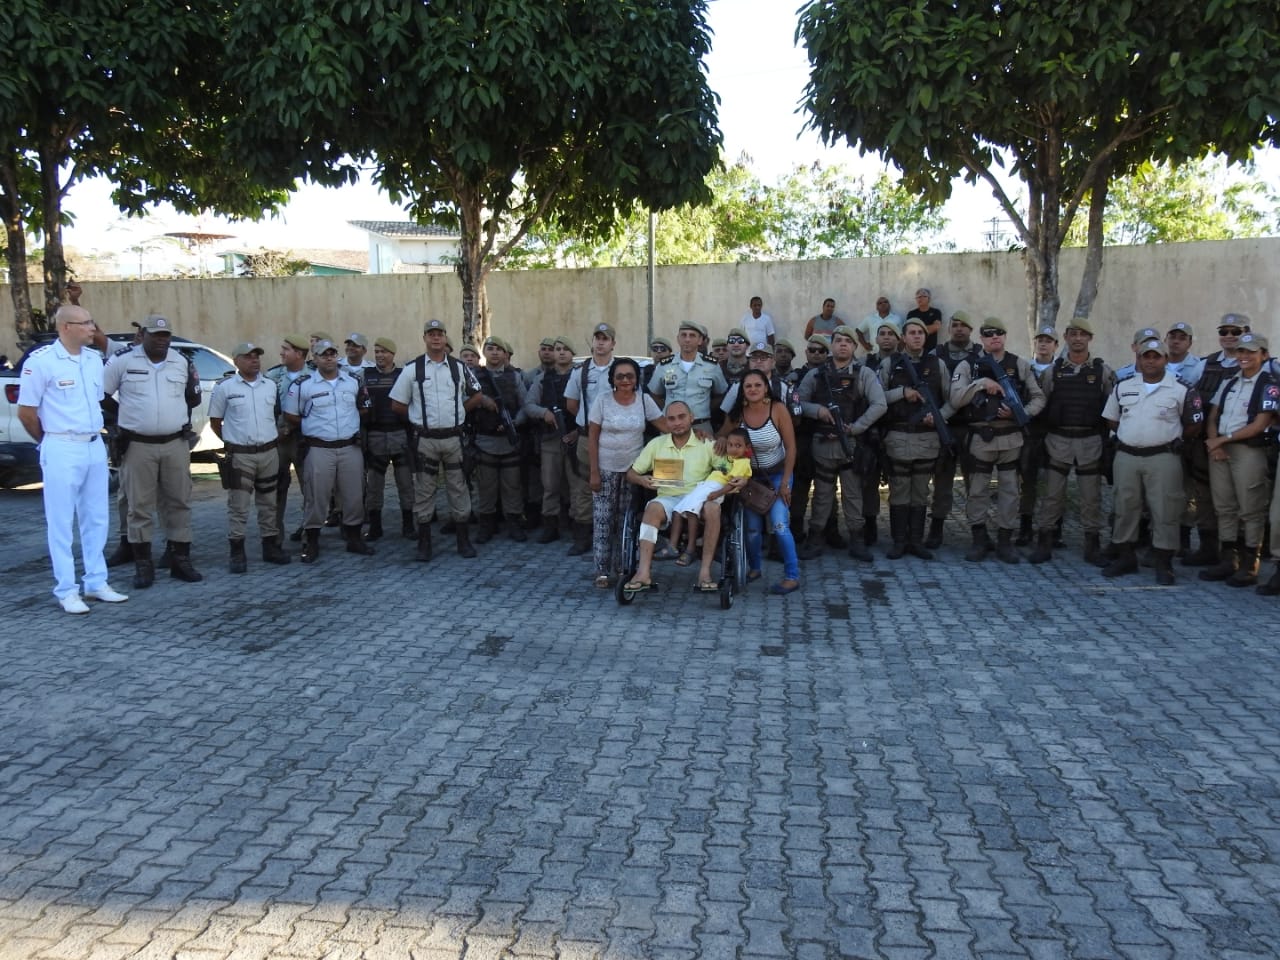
[1230, 331]
[736, 340]
[988, 332]
[815, 349]
[623, 377]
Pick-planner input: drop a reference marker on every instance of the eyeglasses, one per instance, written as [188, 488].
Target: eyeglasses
[735, 340]
[1230, 331]
[623, 377]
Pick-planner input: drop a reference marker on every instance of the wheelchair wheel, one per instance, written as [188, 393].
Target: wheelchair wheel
[624, 597]
[726, 593]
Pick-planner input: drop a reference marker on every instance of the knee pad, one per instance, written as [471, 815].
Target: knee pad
[648, 533]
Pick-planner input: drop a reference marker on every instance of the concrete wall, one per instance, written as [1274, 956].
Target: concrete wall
[1156, 285]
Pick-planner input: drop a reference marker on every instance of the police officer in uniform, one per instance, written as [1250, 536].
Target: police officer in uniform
[386, 443]
[60, 406]
[293, 364]
[498, 442]
[1216, 369]
[856, 392]
[952, 352]
[545, 408]
[1076, 387]
[1151, 413]
[817, 350]
[242, 412]
[590, 379]
[911, 438]
[1239, 424]
[436, 392]
[156, 389]
[690, 378]
[328, 406]
[995, 437]
[1033, 457]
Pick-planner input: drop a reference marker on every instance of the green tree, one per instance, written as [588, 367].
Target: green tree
[272, 263]
[490, 116]
[818, 212]
[1198, 200]
[1070, 94]
[730, 227]
[131, 91]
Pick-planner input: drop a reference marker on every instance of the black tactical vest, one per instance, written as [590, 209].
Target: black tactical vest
[901, 411]
[843, 389]
[379, 385]
[502, 387]
[984, 406]
[1077, 398]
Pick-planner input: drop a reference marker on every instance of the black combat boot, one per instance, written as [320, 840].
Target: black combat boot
[916, 517]
[1164, 567]
[407, 529]
[180, 567]
[1205, 555]
[1025, 530]
[144, 571]
[166, 557]
[487, 528]
[355, 543]
[375, 525]
[898, 532]
[981, 544]
[937, 527]
[423, 554]
[515, 529]
[1227, 563]
[1126, 561]
[581, 540]
[463, 535]
[311, 545]
[858, 545]
[1246, 574]
[550, 530]
[1092, 548]
[1005, 551]
[812, 548]
[122, 554]
[239, 562]
[272, 552]
[1043, 551]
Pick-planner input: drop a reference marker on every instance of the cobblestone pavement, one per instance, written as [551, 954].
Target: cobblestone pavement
[375, 758]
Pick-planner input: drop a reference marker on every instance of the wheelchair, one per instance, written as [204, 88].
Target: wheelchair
[731, 549]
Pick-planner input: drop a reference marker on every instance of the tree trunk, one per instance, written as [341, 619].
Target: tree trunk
[15, 251]
[55, 264]
[473, 268]
[1092, 277]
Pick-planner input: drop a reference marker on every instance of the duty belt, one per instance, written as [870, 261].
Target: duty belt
[334, 444]
[252, 448]
[438, 434]
[145, 438]
[1074, 431]
[1171, 447]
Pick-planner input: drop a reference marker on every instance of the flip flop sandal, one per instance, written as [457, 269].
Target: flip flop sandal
[685, 560]
[636, 586]
[709, 586]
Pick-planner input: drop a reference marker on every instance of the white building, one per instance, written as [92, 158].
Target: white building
[404, 247]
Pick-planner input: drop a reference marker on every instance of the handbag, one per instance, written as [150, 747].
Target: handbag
[757, 496]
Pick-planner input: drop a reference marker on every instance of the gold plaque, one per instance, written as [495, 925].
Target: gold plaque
[668, 472]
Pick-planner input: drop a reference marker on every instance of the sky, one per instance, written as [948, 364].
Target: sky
[754, 66]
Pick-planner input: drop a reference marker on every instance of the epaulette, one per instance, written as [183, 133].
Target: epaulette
[663, 363]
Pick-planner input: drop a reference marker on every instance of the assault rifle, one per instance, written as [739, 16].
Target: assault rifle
[1011, 398]
[837, 418]
[929, 406]
[508, 425]
[565, 425]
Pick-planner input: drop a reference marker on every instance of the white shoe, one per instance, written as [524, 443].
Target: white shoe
[106, 594]
[72, 603]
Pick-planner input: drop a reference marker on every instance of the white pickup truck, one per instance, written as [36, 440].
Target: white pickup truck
[19, 460]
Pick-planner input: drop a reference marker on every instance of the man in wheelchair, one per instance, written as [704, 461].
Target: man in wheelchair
[671, 465]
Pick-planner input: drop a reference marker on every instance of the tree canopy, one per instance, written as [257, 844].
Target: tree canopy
[489, 115]
[812, 212]
[131, 91]
[1068, 93]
